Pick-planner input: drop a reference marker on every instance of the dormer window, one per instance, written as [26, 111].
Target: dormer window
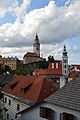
[45, 91]
[12, 85]
[24, 89]
[51, 89]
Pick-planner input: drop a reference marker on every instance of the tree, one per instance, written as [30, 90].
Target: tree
[50, 58]
[18, 72]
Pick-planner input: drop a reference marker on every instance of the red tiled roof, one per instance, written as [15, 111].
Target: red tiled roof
[35, 91]
[5, 59]
[73, 74]
[75, 65]
[51, 70]
[30, 54]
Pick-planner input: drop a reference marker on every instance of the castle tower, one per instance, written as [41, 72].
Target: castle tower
[36, 45]
[65, 71]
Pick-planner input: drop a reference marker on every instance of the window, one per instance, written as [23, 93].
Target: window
[66, 116]
[65, 66]
[45, 91]
[36, 48]
[65, 71]
[52, 65]
[64, 61]
[18, 107]
[9, 102]
[7, 116]
[46, 113]
[5, 100]
[51, 89]
[56, 65]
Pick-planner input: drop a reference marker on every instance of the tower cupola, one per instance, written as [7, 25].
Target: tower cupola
[64, 54]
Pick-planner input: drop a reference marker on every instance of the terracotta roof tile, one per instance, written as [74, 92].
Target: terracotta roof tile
[30, 54]
[35, 88]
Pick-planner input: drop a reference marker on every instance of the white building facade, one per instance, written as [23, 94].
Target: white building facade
[13, 105]
[58, 113]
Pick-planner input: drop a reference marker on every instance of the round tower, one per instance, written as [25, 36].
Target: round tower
[36, 45]
[65, 62]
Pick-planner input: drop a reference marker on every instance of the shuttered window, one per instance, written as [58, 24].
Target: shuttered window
[66, 116]
[46, 113]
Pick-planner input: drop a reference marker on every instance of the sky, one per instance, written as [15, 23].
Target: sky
[57, 23]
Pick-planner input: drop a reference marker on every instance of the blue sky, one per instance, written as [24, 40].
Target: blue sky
[35, 16]
[35, 4]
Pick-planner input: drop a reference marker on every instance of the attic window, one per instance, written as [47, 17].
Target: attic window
[23, 90]
[12, 86]
[45, 91]
[51, 89]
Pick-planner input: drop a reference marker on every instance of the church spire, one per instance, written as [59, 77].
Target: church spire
[64, 53]
[36, 38]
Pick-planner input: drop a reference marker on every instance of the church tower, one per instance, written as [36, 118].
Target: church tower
[65, 71]
[36, 45]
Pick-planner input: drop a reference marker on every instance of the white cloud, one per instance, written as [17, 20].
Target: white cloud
[13, 8]
[75, 48]
[54, 25]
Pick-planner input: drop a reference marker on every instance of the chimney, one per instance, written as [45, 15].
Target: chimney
[62, 81]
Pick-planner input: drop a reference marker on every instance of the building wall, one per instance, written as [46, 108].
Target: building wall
[34, 113]
[12, 109]
[31, 59]
[11, 63]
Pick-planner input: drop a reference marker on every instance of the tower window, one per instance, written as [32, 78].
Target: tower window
[64, 61]
[36, 48]
[65, 71]
[65, 66]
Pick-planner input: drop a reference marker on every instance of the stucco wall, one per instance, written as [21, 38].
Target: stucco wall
[34, 113]
[12, 109]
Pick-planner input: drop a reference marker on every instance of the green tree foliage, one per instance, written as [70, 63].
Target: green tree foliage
[50, 58]
[18, 72]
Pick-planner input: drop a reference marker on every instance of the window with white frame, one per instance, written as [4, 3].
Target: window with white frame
[52, 65]
[56, 65]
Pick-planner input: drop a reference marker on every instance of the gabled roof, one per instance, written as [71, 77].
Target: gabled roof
[68, 96]
[75, 65]
[74, 74]
[34, 87]
[50, 70]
